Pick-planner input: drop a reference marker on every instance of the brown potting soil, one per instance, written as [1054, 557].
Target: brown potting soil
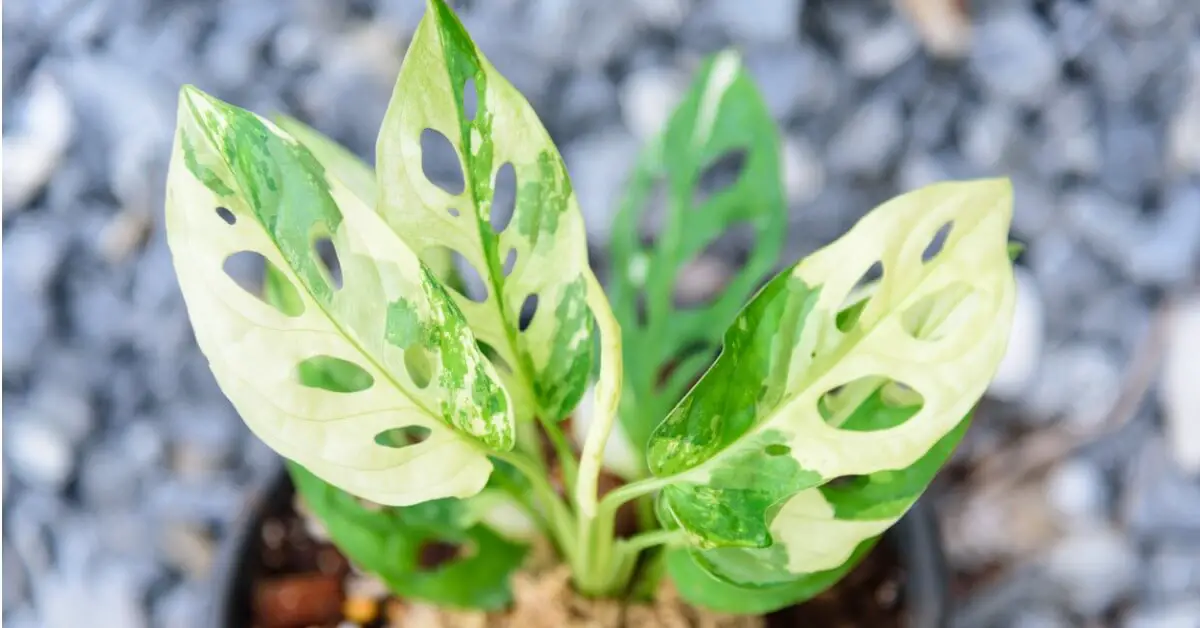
[301, 582]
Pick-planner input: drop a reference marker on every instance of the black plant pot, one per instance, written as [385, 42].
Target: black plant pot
[915, 537]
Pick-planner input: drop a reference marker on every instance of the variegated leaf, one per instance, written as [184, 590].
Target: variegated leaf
[547, 365]
[722, 115]
[826, 414]
[237, 183]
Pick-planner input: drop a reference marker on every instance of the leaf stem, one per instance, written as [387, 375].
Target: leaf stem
[650, 539]
[561, 521]
[607, 396]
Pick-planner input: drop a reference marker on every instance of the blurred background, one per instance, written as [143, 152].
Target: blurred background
[1074, 501]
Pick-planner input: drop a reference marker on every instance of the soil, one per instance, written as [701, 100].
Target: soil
[300, 581]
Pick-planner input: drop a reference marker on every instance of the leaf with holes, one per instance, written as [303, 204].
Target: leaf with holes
[711, 179]
[826, 415]
[436, 551]
[360, 179]
[237, 183]
[532, 257]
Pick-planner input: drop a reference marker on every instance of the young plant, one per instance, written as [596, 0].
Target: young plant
[413, 414]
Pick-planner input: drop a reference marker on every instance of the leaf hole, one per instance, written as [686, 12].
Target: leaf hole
[528, 311]
[246, 268]
[654, 213]
[440, 163]
[938, 314]
[703, 279]
[418, 365]
[333, 374]
[473, 287]
[510, 262]
[504, 198]
[720, 174]
[400, 437]
[327, 254]
[431, 555]
[857, 301]
[869, 404]
[937, 243]
[453, 211]
[470, 98]
[226, 215]
[777, 449]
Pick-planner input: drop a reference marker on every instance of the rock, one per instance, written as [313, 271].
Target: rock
[587, 99]
[1159, 499]
[987, 133]
[189, 548]
[38, 143]
[1095, 567]
[1178, 391]
[1136, 14]
[15, 584]
[111, 596]
[1039, 616]
[1133, 154]
[1082, 389]
[880, 50]
[600, 165]
[869, 140]
[665, 14]
[1067, 272]
[782, 76]
[40, 454]
[1168, 253]
[770, 21]
[1070, 143]
[647, 99]
[1184, 613]
[180, 607]
[108, 478]
[29, 532]
[1014, 57]
[944, 26]
[1108, 225]
[215, 500]
[1183, 151]
[803, 172]
[60, 404]
[33, 252]
[26, 324]
[1026, 338]
[1078, 491]
[1173, 569]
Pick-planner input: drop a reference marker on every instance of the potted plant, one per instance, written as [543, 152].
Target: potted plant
[712, 464]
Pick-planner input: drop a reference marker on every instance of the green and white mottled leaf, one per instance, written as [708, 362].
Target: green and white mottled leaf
[360, 179]
[388, 541]
[548, 364]
[722, 114]
[237, 183]
[826, 415]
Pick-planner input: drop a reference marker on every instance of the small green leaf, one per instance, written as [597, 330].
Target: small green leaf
[700, 588]
[239, 184]
[722, 115]
[388, 542]
[831, 406]
[545, 366]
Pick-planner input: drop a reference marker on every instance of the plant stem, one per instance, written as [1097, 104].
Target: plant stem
[562, 448]
[561, 521]
[650, 539]
[607, 396]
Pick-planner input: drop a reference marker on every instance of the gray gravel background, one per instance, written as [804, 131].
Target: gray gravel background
[123, 463]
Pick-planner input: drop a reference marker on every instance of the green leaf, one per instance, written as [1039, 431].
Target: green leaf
[388, 542]
[700, 588]
[831, 407]
[546, 366]
[722, 115]
[239, 184]
[360, 178]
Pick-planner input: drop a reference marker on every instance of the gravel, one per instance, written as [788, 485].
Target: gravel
[124, 465]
